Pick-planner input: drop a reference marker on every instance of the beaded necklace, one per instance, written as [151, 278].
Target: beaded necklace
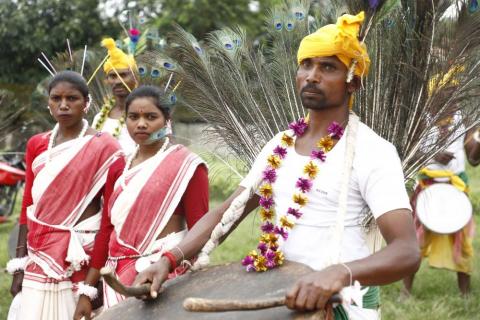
[268, 255]
[53, 136]
[133, 156]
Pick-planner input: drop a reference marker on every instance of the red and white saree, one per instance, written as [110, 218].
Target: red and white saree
[139, 213]
[58, 246]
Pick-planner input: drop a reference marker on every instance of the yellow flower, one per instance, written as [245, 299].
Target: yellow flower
[260, 264]
[266, 190]
[326, 143]
[279, 257]
[274, 161]
[311, 169]
[266, 214]
[300, 199]
[286, 222]
[287, 141]
[253, 253]
[270, 239]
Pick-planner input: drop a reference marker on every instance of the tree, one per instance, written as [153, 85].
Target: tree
[30, 27]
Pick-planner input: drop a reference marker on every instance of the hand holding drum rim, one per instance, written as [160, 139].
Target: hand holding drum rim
[155, 274]
[314, 290]
[310, 292]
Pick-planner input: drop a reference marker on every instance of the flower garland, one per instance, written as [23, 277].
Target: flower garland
[104, 112]
[268, 255]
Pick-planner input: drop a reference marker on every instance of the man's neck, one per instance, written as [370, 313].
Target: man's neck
[321, 119]
[118, 108]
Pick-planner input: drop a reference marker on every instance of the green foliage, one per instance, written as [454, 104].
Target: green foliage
[30, 27]
[202, 16]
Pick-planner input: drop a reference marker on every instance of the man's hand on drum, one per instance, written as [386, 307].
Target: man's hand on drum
[312, 291]
[444, 157]
[155, 274]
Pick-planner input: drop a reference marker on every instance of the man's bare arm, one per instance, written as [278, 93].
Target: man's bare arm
[193, 242]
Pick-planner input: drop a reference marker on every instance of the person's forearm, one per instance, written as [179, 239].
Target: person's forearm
[474, 153]
[92, 277]
[22, 250]
[397, 260]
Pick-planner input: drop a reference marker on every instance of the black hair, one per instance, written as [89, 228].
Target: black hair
[160, 99]
[74, 78]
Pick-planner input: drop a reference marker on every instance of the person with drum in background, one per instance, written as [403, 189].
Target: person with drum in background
[442, 210]
[317, 181]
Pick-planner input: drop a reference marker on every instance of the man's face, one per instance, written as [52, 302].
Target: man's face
[118, 88]
[321, 83]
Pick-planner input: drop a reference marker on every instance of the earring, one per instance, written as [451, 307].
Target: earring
[89, 103]
[50, 110]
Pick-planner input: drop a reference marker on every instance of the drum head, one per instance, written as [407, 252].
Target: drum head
[229, 281]
[444, 209]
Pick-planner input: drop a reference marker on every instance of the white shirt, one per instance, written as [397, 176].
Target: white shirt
[457, 164]
[124, 139]
[376, 182]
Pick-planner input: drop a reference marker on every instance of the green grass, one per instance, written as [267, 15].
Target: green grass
[435, 294]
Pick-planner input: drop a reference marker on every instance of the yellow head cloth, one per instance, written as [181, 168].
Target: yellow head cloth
[341, 40]
[117, 58]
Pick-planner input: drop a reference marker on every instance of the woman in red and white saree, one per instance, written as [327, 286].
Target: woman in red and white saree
[61, 211]
[152, 197]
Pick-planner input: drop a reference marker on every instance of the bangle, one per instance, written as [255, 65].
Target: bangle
[87, 290]
[349, 271]
[171, 258]
[476, 136]
[16, 264]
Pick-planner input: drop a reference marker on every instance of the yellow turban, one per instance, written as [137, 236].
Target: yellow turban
[117, 58]
[341, 40]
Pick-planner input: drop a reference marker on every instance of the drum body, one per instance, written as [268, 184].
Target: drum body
[229, 281]
[443, 209]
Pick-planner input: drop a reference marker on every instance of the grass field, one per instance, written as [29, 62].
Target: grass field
[435, 294]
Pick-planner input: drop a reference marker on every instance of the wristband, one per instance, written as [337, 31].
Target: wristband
[16, 264]
[87, 290]
[171, 258]
[476, 136]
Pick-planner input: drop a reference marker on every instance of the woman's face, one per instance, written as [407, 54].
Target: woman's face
[143, 119]
[67, 104]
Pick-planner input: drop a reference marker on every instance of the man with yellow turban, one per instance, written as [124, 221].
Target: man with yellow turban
[120, 69]
[312, 183]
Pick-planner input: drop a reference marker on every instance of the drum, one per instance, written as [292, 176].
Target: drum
[443, 209]
[229, 281]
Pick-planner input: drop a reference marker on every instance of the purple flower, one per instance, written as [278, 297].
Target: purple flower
[267, 227]
[248, 260]
[335, 130]
[270, 255]
[373, 3]
[282, 232]
[269, 175]
[262, 246]
[304, 184]
[250, 268]
[280, 151]
[294, 212]
[266, 202]
[298, 127]
[318, 154]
